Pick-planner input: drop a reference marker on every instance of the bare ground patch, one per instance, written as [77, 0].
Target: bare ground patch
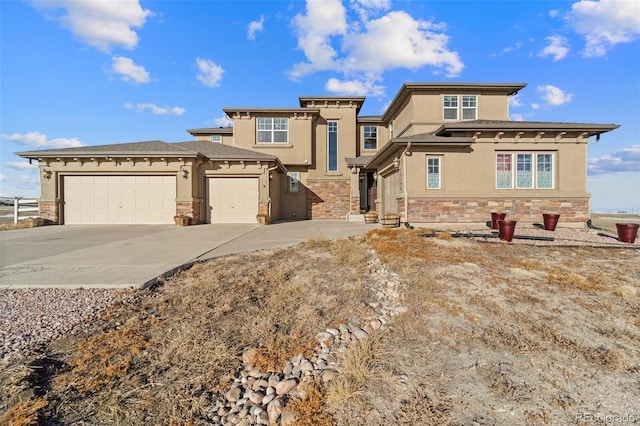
[492, 334]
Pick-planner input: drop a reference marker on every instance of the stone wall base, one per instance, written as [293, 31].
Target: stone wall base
[328, 199]
[191, 209]
[428, 210]
[49, 211]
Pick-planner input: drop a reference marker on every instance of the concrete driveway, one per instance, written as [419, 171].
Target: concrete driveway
[113, 256]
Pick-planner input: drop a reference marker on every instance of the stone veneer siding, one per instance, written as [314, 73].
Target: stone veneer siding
[328, 199]
[49, 211]
[422, 210]
[191, 209]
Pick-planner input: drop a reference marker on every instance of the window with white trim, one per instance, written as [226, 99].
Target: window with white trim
[332, 146]
[469, 107]
[463, 107]
[273, 130]
[216, 138]
[370, 137]
[450, 105]
[531, 170]
[434, 173]
[293, 181]
[544, 171]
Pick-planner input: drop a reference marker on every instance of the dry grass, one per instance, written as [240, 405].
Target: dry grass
[493, 334]
[311, 409]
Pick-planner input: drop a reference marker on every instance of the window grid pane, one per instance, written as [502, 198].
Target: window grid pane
[273, 130]
[450, 104]
[433, 173]
[544, 171]
[332, 146]
[370, 137]
[524, 171]
[504, 173]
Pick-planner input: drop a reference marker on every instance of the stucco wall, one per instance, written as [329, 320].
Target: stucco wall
[299, 149]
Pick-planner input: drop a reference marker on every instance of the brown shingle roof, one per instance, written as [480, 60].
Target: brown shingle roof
[148, 148]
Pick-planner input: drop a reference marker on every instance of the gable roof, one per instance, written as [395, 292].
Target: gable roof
[218, 151]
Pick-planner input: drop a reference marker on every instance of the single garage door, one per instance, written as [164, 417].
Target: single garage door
[90, 200]
[233, 199]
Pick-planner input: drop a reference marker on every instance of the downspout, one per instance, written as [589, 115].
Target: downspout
[268, 172]
[405, 153]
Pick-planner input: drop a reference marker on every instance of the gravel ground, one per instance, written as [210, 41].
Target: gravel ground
[31, 318]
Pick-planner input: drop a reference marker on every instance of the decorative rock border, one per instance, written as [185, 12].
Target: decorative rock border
[258, 398]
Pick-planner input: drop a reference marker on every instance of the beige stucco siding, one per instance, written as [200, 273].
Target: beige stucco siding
[466, 173]
[297, 151]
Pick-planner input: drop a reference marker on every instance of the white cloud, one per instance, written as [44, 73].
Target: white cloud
[254, 27]
[223, 121]
[605, 23]
[101, 24]
[554, 13]
[624, 160]
[365, 49]
[21, 165]
[210, 74]
[553, 95]
[353, 87]
[514, 101]
[517, 117]
[155, 109]
[324, 19]
[398, 41]
[39, 140]
[129, 71]
[557, 48]
[535, 105]
[366, 7]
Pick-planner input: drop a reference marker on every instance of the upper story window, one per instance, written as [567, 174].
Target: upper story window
[529, 171]
[216, 138]
[273, 130]
[332, 146]
[450, 107]
[370, 137]
[463, 107]
[469, 107]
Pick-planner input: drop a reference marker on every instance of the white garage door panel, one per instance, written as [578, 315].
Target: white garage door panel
[233, 199]
[119, 199]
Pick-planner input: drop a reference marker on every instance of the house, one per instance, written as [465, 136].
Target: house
[440, 153]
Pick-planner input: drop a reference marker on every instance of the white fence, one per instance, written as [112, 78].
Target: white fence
[24, 205]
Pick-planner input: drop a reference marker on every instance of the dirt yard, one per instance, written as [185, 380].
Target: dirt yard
[491, 333]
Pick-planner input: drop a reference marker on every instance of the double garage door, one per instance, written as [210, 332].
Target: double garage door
[94, 200]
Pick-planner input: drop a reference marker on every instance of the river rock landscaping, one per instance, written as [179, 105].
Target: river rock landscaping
[389, 328]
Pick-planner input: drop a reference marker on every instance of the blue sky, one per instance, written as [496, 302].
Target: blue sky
[79, 72]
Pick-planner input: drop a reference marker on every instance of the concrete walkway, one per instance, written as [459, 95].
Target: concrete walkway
[112, 256]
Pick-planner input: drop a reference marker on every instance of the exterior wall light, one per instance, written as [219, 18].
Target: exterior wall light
[184, 172]
[396, 163]
[46, 174]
